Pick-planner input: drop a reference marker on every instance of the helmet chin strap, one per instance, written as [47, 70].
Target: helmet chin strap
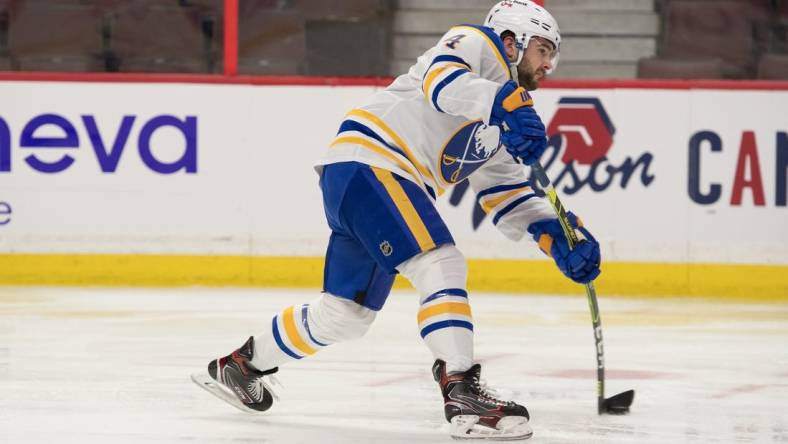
[513, 71]
[520, 47]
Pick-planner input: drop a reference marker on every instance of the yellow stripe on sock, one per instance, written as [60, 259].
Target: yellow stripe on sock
[292, 332]
[406, 209]
[446, 307]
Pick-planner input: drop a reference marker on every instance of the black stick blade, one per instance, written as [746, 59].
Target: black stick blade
[619, 404]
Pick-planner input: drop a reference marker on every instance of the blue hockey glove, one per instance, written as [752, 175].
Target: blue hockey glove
[522, 131]
[580, 264]
[524, 150]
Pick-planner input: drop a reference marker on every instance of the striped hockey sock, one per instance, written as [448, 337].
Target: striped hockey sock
[289, 338]
[446, 326]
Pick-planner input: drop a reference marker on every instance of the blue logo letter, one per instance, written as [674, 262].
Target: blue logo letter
[108, 161]
[68, 140]
[782, 168]
[5, 147]
[693, 182]
[188, 160]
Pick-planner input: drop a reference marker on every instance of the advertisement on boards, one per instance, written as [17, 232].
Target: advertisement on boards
[657, 175]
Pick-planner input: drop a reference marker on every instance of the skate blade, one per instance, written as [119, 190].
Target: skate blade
[509, 428]
[204, 381]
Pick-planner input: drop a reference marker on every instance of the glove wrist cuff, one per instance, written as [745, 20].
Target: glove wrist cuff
[545, 242]
[518, 99]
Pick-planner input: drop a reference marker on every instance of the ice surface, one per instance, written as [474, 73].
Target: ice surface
[113, 365]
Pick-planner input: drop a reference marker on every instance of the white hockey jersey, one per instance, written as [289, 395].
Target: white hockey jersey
[430, 126]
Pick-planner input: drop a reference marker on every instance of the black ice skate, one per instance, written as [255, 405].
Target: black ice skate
[236, 381]
[475, 413]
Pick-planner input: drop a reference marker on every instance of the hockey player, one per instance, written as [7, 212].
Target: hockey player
[457, 114]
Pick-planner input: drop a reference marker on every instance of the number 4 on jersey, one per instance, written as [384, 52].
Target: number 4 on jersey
[452, 42]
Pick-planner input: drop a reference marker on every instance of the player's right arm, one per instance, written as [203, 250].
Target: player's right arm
[465, 71]
[505, 193]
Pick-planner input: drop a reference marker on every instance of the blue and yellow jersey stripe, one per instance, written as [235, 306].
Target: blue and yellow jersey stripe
[494, 43]
[502, 199]
[406, 209]
[367, 130]
[446, 67]
[398, 141]
[381, 150]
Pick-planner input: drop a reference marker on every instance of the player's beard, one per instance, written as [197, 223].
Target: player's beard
[527, 77]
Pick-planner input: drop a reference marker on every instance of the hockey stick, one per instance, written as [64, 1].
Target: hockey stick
[618, 404]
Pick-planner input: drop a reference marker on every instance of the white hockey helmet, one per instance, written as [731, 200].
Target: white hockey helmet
[526, 20]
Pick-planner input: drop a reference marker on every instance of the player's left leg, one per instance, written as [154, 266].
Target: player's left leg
[444, 318]
[243, 378]
[446, 325]
[377, 220]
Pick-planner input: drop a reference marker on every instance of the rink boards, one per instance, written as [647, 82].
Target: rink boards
[212, 184]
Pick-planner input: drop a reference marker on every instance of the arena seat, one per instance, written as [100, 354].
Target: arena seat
[152, 36]
[350, 10]
[54, 36]
[601, 38]
[665, 68]
[709, 29]
[773, 67]
[270, 41]
[755, 8]
[3, 27]
[330, 41]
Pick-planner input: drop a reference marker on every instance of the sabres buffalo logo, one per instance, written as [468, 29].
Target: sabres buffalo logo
[580, 138]
[466, 151]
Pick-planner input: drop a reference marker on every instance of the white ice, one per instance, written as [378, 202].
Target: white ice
[113, 366]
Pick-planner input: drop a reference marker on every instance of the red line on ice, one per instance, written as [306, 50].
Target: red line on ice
[414, 376]
[747, 388]
[617, 374]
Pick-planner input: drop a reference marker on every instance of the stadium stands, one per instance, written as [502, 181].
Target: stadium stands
[315, 38]
[773, 67]
[155, 36]
[712, 30]
[5, 60]
[329, 42]
[61, 36]
[665, 68]
[336, 28]
[715, 39]
[270, 40]
[341, 10]
[602, 38]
